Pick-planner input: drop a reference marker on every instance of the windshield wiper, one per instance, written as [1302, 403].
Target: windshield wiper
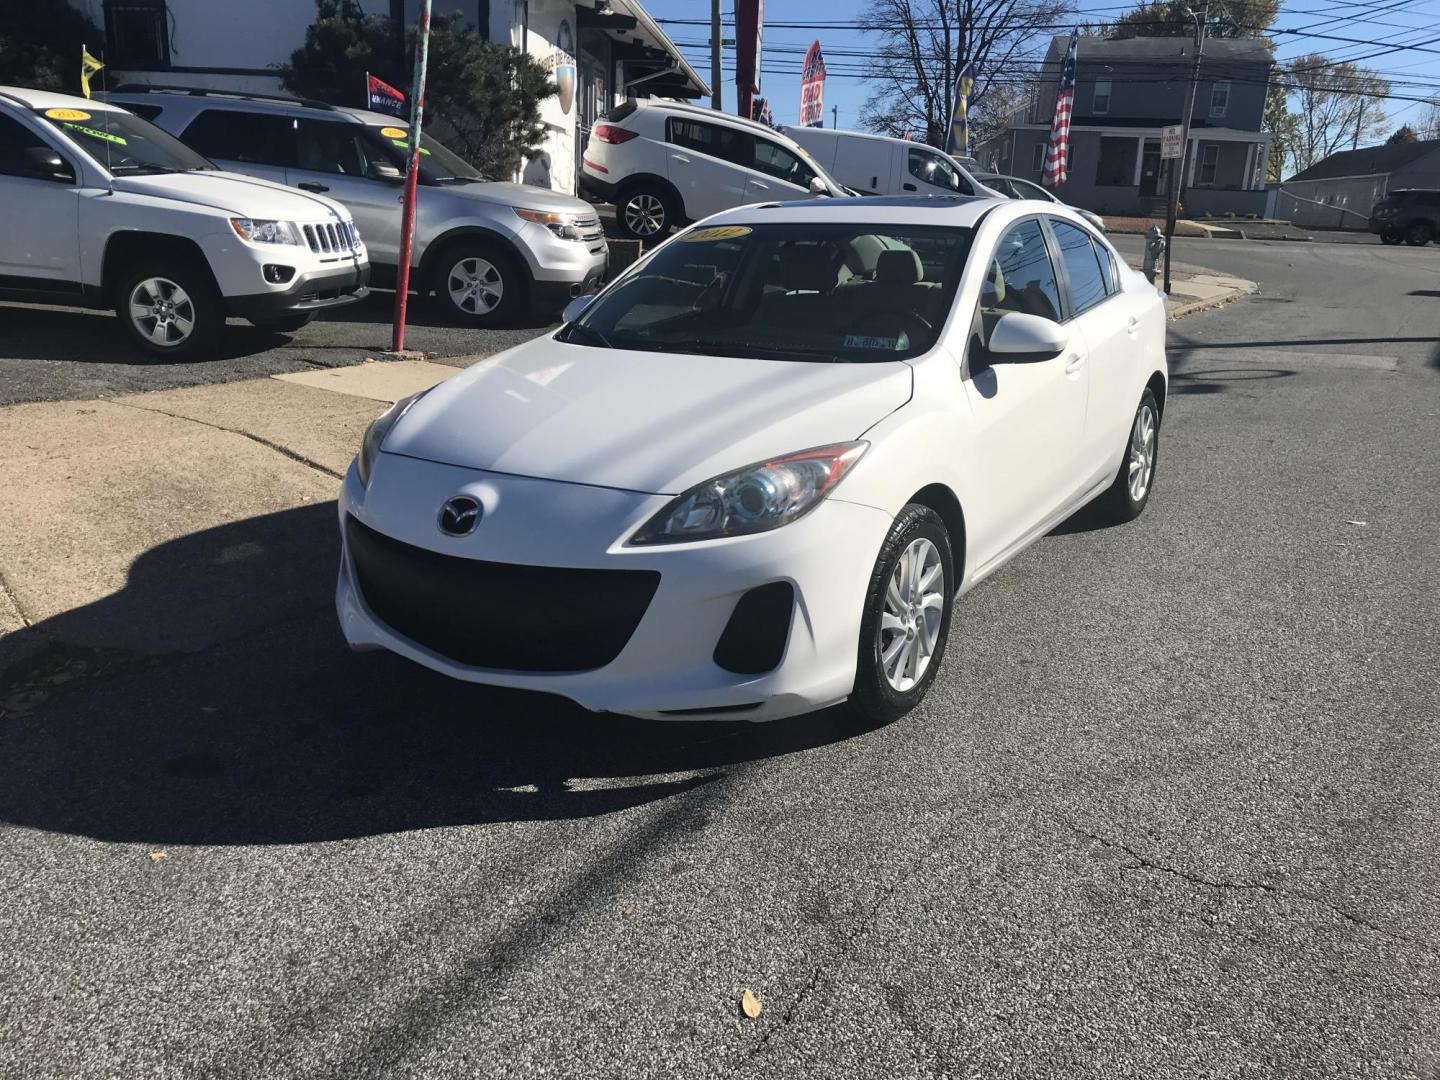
[147, 169]
[739, 350]
[595, 336]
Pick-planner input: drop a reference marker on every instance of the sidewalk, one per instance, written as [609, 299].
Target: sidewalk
[1196, 288]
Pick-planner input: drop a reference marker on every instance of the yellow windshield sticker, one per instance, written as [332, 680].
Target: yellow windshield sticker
[67, 114]
[395, 133]
[716, 232]
[404, 144]
[93, 133]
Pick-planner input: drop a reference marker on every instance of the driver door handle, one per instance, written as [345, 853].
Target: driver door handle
[1133, 326]
[908, 187]
[311, 186]
[1073, 363]
[680, 158]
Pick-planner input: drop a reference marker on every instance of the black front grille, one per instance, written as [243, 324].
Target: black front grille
[499, 615]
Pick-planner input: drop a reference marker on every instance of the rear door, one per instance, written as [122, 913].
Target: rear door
[41, 247]
[333, 158]
[709, 164]
[256, 144]
[779, 174]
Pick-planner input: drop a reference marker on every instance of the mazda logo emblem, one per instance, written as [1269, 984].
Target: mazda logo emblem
[459, 516]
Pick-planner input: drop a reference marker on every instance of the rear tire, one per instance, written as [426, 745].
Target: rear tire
[283, 324]
[1390, 238]
[1129, 493]
[646, 212]
[907, 612]
[478, 284]
[1418, 233]
[170, 307]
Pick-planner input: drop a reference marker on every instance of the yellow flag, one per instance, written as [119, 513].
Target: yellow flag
[88, 66]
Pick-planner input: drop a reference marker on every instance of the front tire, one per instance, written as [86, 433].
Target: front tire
[478, 284]
[1418, 233]
[1390, 238]
[906, 621]
[646, 212]
[170, 308]
[1130, 491]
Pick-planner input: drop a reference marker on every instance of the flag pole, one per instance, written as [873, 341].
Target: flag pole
[407, 213]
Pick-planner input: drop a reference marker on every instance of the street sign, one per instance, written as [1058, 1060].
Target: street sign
[1172, 141]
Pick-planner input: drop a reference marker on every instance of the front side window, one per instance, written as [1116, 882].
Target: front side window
[15, 139]
[726, 143]
[329, 147]
[1220, 99]
[122, 143]
[774, 160]
[1101, 104]
[252, 138]
[1022, 277]
[848, 293]
[1209, 163]
[933, 169]
[438, 163]
[1082, 266]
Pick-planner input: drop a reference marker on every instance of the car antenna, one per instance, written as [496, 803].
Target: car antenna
[104, 120]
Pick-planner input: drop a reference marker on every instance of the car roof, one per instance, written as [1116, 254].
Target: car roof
[200, 98]
[963, 211]
[45, 99]
[703, 112]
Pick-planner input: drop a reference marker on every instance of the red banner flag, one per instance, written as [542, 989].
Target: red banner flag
[382, 97]
[812, 88]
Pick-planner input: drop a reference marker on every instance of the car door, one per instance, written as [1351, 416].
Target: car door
[778, 174]
[1028, 417]
[333, 158]
[41, 248]
[709, 164]
[256, 144]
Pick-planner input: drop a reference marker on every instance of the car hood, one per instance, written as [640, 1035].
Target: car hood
[642, 421]
[523, 196]
[245, 196]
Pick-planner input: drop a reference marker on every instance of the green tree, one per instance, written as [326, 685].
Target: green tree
[1405, 134]
[1170, 18]
[40, 44]
[482, 100]
[1284, 126]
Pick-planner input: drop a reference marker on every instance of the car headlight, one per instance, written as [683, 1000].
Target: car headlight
[754, 499]
[376, 432]
[265, 232]
[565, 226]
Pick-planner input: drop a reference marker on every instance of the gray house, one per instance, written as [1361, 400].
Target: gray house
[1126, 90]
[1339, 191]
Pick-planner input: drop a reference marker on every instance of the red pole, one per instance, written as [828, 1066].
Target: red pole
[407, 213]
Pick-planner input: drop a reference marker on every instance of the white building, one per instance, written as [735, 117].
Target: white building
[596, 48]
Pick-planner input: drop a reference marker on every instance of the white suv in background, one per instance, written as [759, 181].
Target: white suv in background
[103, 209]
[663, 164]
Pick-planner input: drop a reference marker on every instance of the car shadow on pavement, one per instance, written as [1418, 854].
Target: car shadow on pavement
[379, 307]
[277, 734]
[88, 336]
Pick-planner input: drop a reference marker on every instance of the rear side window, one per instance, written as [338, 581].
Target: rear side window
[253, 138]
[1082, 266]
[725, 143]
[145, 112]
[15, 139]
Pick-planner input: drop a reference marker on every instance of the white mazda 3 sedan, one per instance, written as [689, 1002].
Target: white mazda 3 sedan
[753, 476]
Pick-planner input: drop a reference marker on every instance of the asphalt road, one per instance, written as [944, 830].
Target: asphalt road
[1170, 810]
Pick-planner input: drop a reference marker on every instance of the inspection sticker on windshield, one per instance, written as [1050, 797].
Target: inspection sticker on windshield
[395, 133]
[96, 134]
[67, 114]
[861, 341]
[716, 232]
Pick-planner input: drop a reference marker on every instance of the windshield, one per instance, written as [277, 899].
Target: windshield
[438, 163]
[856, 293]
[122, 143]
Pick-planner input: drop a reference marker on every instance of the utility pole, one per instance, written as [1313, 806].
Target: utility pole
[1359, 120]
[715, 46]
[1178, 165]
[407, 212]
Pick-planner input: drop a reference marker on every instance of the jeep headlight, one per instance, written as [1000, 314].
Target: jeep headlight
[265, 232]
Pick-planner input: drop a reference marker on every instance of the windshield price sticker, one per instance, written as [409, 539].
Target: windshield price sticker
[95, 134]
[716, 232]
[67, 114]
[862, 341]
[404, 144]
[394, 133]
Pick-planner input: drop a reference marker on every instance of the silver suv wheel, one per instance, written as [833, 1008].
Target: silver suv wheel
[644, 214]
[162, 312]
[475, 285]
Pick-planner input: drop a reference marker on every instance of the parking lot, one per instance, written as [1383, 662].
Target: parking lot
[1170, 809]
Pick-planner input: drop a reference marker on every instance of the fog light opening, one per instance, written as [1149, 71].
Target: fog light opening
[276, 274]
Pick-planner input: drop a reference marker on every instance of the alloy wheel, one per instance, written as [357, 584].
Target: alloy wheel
[644, 214]
[1142, 452]
[475, 286]
[162, 311]
[914, 611]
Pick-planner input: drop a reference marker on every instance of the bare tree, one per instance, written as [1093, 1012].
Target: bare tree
[1428, 126]
[924, 44]
[1341, 107]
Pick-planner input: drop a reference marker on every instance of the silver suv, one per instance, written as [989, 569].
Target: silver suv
[486, 249]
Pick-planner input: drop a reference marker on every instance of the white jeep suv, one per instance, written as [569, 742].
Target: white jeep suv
[663, 164]
[106, 210]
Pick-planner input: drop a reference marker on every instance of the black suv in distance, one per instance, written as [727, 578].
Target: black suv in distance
[1409, 214]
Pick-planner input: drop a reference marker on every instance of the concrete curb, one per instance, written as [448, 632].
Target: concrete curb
[1236, 288]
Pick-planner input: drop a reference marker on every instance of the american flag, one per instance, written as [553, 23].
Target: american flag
[1058, 152]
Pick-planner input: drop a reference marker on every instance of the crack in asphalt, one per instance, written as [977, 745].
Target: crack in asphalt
[14, 602]
[284, 451]
[1147, 863]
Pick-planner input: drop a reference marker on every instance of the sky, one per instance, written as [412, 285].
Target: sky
[1389, 23]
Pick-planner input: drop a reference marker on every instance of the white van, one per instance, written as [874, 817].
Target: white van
[881, 165]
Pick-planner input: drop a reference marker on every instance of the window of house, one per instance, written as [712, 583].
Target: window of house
[1100, 105]
[1116, 164]
[1209, 163]
[1037, 165]
[1220, 99]
[137, 34]
[727, 143]
[256, 139]
[1082, 266]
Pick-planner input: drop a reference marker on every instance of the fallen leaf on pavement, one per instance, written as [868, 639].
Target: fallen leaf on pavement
[628, 909]
[1357, 523]
[158, 856]
[750, 1005]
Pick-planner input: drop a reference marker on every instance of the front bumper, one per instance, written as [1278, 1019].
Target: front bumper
[666, 668]
[316, 291]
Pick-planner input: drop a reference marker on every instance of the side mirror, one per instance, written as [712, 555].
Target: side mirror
[379, 170]
[818, 186]
[576, 307]
[46, 164]
[1021, 338]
